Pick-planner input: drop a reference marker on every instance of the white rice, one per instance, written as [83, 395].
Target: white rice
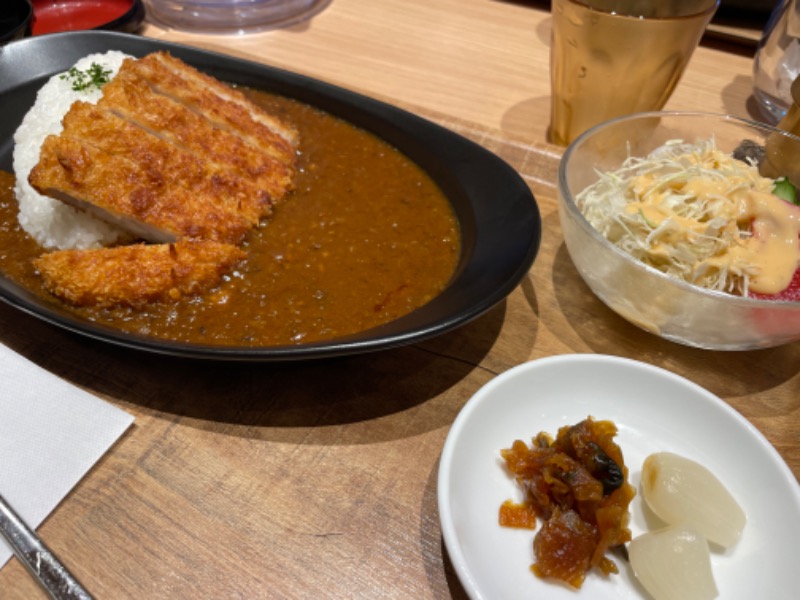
[50, 222]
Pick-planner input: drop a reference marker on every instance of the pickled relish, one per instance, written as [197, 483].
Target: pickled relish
[578, 486]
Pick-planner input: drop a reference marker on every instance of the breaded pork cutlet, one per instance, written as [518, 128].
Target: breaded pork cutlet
[163, 166]
[134, 99]
[219, 185]
[119, 191]
[138, 274]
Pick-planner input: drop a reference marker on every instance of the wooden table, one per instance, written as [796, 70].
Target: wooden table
[319, 480]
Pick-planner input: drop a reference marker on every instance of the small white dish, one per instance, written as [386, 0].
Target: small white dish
[655, 410]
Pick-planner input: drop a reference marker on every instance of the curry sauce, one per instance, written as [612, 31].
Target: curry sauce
[366, 237]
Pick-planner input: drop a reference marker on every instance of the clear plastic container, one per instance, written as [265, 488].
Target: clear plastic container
[231, 16]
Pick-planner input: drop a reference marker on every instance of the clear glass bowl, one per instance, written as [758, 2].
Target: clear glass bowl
[646, 297]
[231, 16]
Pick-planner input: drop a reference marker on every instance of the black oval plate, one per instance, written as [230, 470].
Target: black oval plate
[499, 218]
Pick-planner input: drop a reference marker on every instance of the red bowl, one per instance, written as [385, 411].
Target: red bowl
[51, 16]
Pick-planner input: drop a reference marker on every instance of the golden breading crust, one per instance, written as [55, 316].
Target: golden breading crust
[225, 106]
[133, 99]
[138, 274]
[118, 190]
[163, 160]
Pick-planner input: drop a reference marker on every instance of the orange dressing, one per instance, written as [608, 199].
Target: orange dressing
[774, 246]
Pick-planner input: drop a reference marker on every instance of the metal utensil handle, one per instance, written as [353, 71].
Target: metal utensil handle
[39, 560]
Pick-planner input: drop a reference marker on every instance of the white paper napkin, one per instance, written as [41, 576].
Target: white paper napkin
[51, 433]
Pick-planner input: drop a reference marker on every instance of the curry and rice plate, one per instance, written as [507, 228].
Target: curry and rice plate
[363, 237]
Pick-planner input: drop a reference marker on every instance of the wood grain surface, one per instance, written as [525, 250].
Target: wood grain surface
[319, 479]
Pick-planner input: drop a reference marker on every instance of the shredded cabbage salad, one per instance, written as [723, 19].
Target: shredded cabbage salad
[680, 210]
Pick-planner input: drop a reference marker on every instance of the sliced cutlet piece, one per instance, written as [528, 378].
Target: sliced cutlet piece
[162, 160]
[116, 190]
[138, 274]
[202, 81]
[225, 106]
[133, 99]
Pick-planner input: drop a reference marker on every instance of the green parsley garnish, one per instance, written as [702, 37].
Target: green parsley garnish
[95, 76]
